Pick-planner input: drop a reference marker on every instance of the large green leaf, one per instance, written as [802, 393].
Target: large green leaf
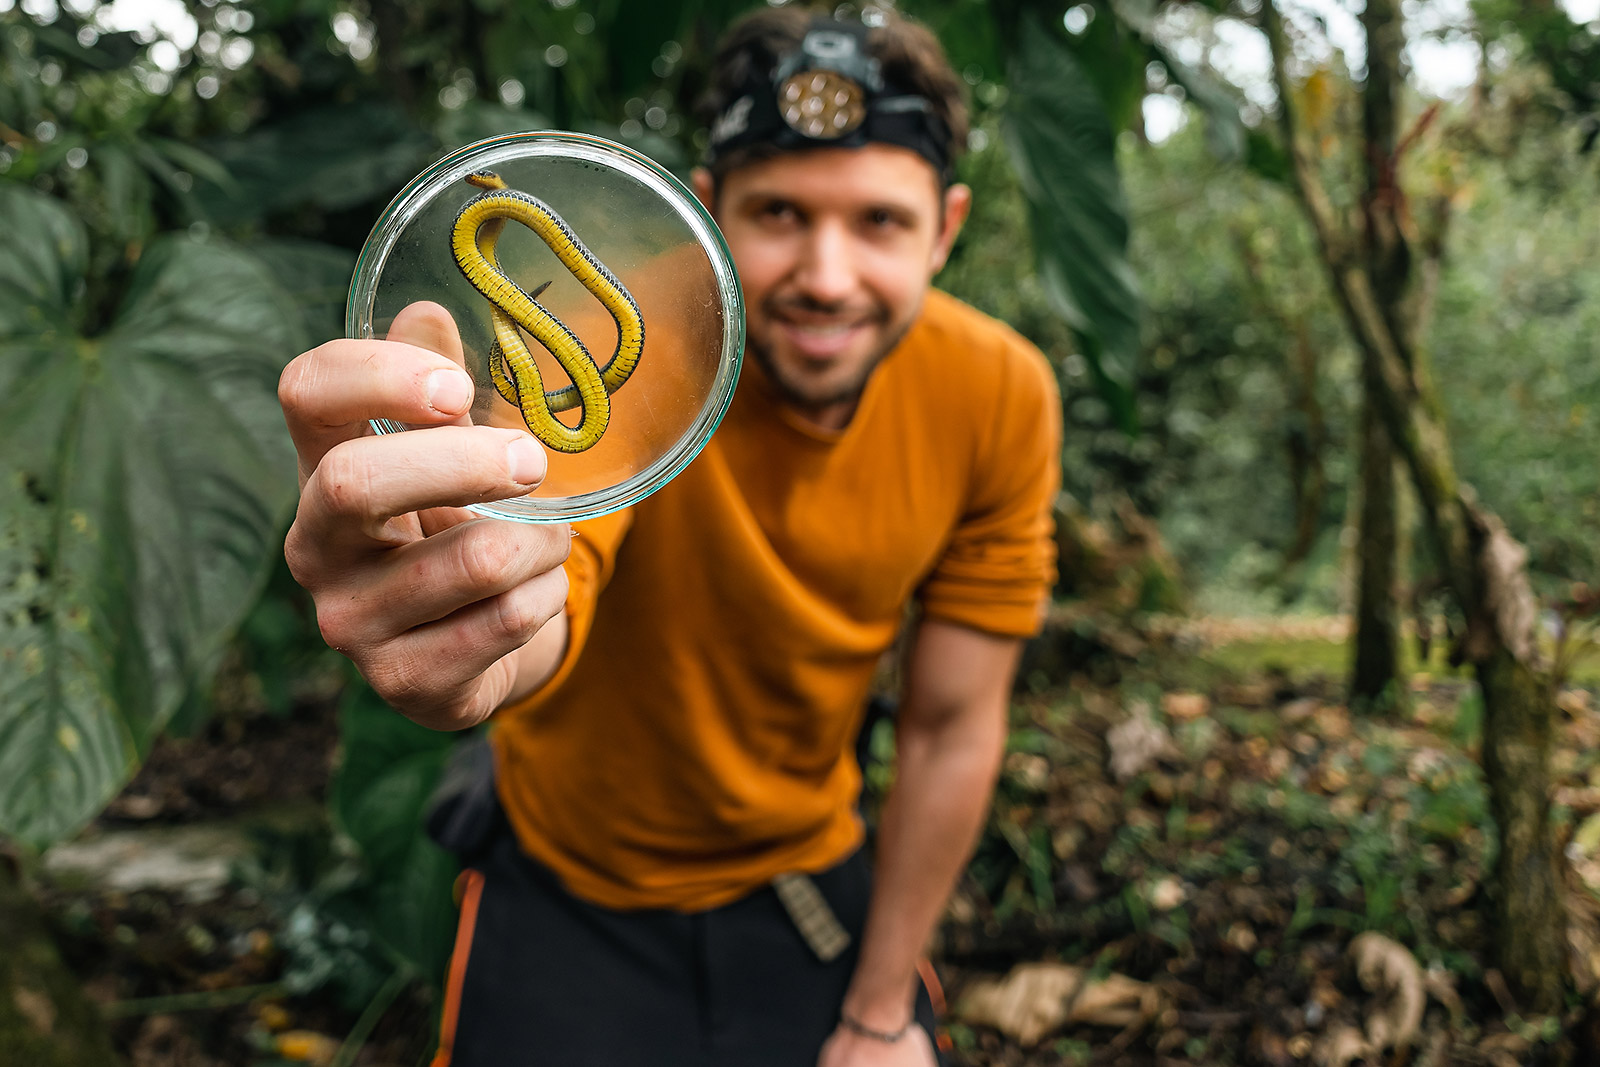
[1063, 146]
[386, 775]
[145, 477]
[333, 157]
[315, 275]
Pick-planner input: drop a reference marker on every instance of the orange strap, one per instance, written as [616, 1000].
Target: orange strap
[470, 886]
[930, 982]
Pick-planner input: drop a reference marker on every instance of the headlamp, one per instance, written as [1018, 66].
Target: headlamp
[829, 92]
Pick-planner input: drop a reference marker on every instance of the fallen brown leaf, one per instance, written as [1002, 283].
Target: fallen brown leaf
[1036, 999]
[1137, 743]
[36, 1008]
[1387, 969]
[1166, 893]
[307, 1046]
[1442, 987]
[1185, 705]
[1574, 702]
[1504, 1047]
[1342, 1046]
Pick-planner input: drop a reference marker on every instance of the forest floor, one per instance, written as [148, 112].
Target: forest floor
[1192, 845]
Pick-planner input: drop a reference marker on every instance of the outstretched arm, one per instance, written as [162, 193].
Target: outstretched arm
[950, 735]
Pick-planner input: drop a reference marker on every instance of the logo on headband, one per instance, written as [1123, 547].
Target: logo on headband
[734, 121]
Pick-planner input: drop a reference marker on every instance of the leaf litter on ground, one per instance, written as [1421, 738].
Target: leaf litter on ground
[1292, 881]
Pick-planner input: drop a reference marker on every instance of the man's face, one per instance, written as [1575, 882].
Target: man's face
[835, 248]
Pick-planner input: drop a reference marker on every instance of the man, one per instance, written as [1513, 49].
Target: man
[679, 697]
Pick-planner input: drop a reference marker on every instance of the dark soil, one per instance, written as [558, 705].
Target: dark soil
[200, 983]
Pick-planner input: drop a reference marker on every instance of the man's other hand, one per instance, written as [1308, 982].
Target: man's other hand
[846, 1048]
[428, 599]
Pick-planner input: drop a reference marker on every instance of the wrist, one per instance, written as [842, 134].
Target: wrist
[887, 1013]
[849, 1022]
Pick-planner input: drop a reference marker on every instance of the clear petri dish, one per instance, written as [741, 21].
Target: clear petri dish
[660, 247]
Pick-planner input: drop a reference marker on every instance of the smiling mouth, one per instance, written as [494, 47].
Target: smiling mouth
[823, 329]
[820, 341]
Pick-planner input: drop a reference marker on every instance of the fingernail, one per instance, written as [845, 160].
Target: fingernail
[449, 391]
[525, 460]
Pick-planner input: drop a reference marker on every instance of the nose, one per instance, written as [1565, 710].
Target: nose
[827, 269]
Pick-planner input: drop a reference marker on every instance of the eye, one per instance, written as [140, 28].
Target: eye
[777, 212]
[885, 219]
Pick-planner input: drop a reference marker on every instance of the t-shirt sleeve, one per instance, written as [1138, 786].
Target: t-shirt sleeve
[589, 568]
[997, 571]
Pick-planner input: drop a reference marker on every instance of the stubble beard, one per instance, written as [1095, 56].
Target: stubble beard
[809, 400]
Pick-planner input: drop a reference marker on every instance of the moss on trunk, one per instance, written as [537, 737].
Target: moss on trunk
[1527, 904]
[1375, 665]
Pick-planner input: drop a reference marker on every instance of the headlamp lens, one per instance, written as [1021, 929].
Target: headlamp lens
[822, 104]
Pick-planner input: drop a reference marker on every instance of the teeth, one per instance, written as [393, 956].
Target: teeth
[824, 331]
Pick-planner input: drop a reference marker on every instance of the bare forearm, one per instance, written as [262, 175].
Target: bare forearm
[945, 776]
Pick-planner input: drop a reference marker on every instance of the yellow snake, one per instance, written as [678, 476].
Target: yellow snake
[511, 366]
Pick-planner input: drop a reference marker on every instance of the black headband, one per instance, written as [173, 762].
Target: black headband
[829, 92]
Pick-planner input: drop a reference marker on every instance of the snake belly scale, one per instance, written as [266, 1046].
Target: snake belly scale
[516, 375]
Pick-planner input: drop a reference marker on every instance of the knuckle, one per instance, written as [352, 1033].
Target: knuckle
[299, 553]
[561, 545]
[297, 384]
[525, 609]
[482, 558]
[403, 681]
[337, 622]
[344, 481]
[515, 617]
[560, 586]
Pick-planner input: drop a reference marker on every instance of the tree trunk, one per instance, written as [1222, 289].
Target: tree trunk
[45, 1020]
[1308, 440]
[1375, 682]
[1517, 727]
[1370, 270]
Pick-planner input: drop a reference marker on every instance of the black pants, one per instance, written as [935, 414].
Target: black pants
[541, 977]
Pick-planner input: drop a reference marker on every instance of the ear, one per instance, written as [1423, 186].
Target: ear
[705, 188]
[957, 203]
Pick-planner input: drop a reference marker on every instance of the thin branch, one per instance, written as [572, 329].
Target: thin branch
[1412, 416]
[205, 1000]
[1335, 241]
[1432, 266]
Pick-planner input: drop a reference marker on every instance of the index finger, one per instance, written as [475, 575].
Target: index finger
[331, 393]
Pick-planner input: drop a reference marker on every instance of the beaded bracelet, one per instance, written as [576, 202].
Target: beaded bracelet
[855, 1026]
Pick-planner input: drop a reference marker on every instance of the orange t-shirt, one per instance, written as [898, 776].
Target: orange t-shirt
[697, 740]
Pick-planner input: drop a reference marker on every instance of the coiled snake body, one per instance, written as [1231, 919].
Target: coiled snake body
[511, 365]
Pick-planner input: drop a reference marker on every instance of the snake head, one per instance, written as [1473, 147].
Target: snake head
[486, 179]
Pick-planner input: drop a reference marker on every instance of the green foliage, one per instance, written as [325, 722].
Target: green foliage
[389, 768]
[1567, 50]
[1518, 308]
[328, 158]
[1235, 302]
[127, 551]
[1062, 143]
[1435, 808]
